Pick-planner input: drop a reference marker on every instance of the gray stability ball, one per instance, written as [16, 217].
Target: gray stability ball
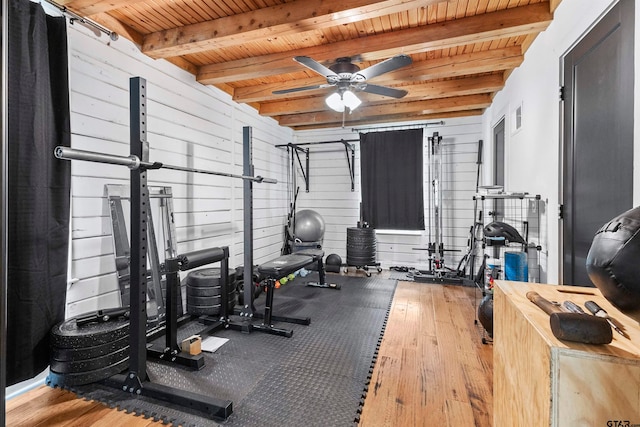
[309, 226]
[613, 262]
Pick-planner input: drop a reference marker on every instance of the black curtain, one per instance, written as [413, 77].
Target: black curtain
[39, 186]
[391, 175]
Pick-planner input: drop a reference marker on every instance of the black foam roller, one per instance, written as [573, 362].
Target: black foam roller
[191, 260]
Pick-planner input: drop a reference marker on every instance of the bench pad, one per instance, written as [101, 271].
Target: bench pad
[284, 265]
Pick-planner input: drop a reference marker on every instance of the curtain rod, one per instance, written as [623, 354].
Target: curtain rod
[73, 17]
[299, 144]
[414, 126]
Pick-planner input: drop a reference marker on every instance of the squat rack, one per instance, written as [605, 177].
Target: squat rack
[136, 381]
[294, 151]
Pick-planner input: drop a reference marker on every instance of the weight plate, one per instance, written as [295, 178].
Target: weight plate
[207, 277]
[81, 353]
[255, 275]
[203, 301]
[212, 309]
[63, 380]
[88, 365]
[360, 252]
[257, 290]
[68, 335]
[206, 291]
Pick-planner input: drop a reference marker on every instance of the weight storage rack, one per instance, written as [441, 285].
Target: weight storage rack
[523, 212]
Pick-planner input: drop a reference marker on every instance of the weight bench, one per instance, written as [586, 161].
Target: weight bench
[272, 271]
[317, 255]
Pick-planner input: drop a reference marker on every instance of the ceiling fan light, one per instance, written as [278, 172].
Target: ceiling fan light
[351, 100]
[334, 101]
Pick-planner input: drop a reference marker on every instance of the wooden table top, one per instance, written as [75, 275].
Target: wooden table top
[621, 346]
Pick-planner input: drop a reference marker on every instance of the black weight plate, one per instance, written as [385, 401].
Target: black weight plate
[81, 353]
[360, 261]
[203, 301]
[360, 252]
[213, 309]
[68, 335]
[206, 291]
[207, 277]
[360, 242]
[88, 365]
[63, 380]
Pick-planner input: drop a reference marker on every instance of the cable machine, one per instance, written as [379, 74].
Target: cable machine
[438, 272]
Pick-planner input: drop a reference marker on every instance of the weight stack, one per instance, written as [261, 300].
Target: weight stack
[83, 354]
[203, 292]
[361, 246]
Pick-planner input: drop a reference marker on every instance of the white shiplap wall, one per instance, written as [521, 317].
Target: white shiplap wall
[188, 125]
[330, 193]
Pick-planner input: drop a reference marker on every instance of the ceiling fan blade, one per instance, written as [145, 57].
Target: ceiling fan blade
[385, 66]
[314, 65]
[300, 89]
[384, 90]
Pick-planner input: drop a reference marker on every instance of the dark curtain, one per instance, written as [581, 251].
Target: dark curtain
[391, 175]
[39, 186]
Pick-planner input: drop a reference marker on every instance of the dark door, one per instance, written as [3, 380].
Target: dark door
[498, 176]
[598, 135]
[498, 160]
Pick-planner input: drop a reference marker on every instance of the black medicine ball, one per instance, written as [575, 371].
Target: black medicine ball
[613, 262]
[334, 259]
[333, 263]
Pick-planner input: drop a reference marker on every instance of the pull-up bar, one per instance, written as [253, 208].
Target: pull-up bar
[134, 163]
[349, 148]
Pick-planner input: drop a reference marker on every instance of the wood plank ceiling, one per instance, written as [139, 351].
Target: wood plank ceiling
[462, 50]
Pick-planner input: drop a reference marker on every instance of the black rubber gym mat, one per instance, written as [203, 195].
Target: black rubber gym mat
[318, 377]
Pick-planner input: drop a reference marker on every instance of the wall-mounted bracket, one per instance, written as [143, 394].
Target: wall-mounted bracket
[296, 149]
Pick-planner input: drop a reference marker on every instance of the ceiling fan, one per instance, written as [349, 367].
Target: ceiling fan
[348, 77]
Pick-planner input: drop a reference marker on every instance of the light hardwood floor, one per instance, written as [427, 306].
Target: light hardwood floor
[432, 370]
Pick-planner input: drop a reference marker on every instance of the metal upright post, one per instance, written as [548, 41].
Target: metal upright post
[436, 164]
[139, 205]
[247, 170]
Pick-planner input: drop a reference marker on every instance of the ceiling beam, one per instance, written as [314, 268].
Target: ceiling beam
[458, 103]
[553, 5]
[275, 21]
[92, 7]
[450, 66]
[393, 118]
[423, 91]
[118, 27]
[475, 29]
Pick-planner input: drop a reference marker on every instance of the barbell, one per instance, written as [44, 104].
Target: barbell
[133, 163]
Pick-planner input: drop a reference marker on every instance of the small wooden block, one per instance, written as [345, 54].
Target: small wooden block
[192, 345]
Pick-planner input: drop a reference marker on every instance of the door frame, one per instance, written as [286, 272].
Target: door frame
[561, 133]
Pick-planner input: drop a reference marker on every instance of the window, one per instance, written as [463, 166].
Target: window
[391, 172]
